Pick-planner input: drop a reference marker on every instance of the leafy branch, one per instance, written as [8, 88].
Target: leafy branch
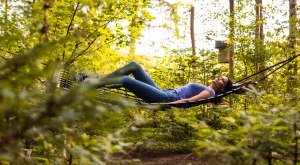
[82, 53]
[71, 60]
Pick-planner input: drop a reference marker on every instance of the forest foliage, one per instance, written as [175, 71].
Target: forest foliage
[41, 123]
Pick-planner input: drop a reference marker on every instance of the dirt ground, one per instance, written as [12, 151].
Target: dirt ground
[172, 159]
[165, 158]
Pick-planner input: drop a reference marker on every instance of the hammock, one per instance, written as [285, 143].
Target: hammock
[196, 103]
[66, 82]
[235, 90]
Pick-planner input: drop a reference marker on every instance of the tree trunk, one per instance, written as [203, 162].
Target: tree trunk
[6, 11]
[231, 37]
[295, 161]
[45, 27]
[132, 46]
[192, 30]
[259, 36]
[293, 67]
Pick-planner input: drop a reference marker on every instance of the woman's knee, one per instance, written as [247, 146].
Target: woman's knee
[134, 64]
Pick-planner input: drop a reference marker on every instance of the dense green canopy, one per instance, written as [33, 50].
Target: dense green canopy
[40, 123]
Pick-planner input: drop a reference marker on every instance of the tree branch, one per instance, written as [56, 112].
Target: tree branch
[72, 19]
[90, 44]
[69, 28]
[9, 52]
[83, 52]
[102, 26]
[6, 59]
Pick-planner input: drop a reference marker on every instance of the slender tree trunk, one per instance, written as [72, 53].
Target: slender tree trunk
[253, 144]
[292, 25]
[45, 27]
[133, 34]
[192, 30]
[295, 161]
[270, 157]
[132, 46]
[293, 67]
[259, 18]
[132, 41]
[231, 37]
[259, 36]
[6, 10]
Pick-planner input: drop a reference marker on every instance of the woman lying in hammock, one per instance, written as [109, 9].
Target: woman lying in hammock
[145, 88]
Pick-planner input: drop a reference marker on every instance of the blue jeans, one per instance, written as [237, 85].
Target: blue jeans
[142, 85]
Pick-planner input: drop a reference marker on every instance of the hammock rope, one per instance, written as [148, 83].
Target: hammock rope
[284, 62]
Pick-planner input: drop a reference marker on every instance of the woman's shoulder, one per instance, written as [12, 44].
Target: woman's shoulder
[196, 84]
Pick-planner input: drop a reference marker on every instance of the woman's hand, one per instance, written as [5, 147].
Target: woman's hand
[243, 84]
[242, 87]
[202, 95]
[181, 101]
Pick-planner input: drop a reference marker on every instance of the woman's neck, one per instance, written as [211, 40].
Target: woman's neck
[214, 88]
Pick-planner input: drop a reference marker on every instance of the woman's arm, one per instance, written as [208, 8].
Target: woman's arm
[242, 90]
[202, 95]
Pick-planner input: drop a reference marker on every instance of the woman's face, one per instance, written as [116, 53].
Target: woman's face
[220, 82]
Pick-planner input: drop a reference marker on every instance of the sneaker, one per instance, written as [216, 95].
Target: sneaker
[64, 79]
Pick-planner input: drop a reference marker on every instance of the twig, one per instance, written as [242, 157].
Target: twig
[106, 24]
[76, 46]
[136, 146]
[190, 154]
[72, 19]
[69, 28]
[102, 26]
[41, 81]
[83, 52]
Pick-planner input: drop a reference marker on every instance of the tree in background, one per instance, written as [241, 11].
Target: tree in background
[43, 124]
[192, 30]
[259, 36]
[292, 41]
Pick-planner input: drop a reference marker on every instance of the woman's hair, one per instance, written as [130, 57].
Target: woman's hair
[228, 86]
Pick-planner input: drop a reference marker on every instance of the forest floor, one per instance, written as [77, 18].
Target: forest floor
[159, 157]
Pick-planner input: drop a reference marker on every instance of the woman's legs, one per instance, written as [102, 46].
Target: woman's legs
[144, 91]
[142, 86]
[136, 70]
